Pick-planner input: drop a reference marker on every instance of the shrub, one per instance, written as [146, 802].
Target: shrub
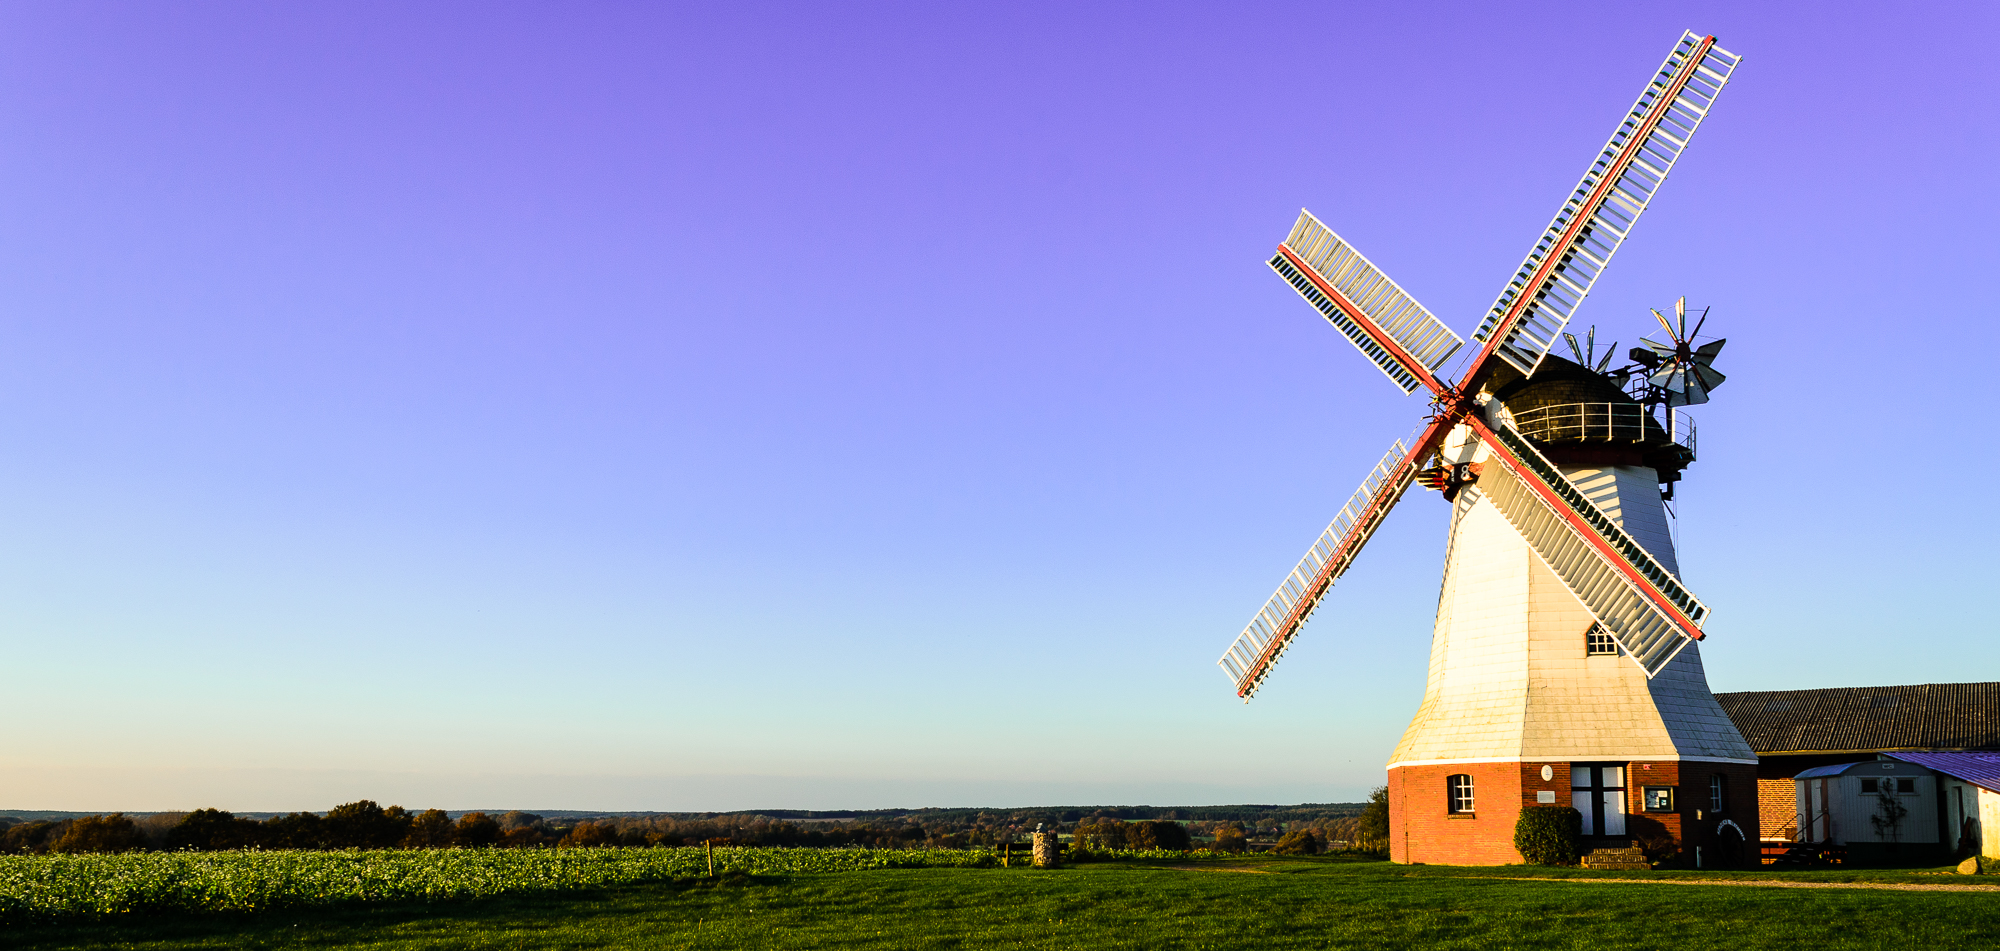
[475, 829]
[212, 829]
[155, 829]
[1231, 839]
[1297, 842]
[1658, 846]
[1158, 834]
[525, 837]
[112, 833]
[1888, 822]
[29, 837]
[362, 824]
[1106, 833]
[1374, 822]
[1546, 835]
[296, 830]
[586, 835]
[431, 829]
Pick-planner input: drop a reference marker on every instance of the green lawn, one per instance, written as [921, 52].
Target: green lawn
[1292, 904]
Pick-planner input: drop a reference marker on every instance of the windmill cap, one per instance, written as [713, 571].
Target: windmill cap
[1580, 417]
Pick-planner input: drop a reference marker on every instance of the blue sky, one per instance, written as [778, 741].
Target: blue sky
[676, 407]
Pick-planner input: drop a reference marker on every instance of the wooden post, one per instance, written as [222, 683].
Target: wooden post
[710, 843]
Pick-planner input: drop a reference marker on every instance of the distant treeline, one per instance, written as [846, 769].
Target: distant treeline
[1364, 829]
[366, 825]
[1263, 816]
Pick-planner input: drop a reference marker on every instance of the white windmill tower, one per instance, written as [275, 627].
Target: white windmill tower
[1563, 668]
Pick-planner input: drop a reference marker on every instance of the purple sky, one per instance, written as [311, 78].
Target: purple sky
[630, 406]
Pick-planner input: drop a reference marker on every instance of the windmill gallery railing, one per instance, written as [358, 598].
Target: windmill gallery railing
[1627, 423]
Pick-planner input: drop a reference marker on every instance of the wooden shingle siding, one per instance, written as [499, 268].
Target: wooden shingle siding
[1838, 719]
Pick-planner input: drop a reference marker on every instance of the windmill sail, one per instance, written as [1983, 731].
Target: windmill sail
[1624, 587]
[1685, 380]
[1251, 656]
[1544, 293]
[1388, 325]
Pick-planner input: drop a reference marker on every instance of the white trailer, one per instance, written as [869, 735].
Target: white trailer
[1877, 802]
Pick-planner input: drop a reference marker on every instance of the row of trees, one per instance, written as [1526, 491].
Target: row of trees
[1367, 830]
[364, 824]
[1109, 833]
[1260, 817]
[361, 824]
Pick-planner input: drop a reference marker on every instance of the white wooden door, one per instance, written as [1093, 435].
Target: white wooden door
[1822, 825]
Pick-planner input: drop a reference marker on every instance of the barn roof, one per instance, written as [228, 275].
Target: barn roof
[1868, 719]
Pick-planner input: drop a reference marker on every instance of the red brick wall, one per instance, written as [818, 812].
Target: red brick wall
[1640, 824]
[1777, 807]
[1692, 824]
[1778, 793]
[1423, 830]
[1744, 808]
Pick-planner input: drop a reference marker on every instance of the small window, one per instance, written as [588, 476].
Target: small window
[1597, 640]
[1458, 792]
[1906, 785]
[1659, 799]
[1869, 786]
[1718, 792]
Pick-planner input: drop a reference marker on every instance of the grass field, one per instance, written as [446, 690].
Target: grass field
[1255, 903]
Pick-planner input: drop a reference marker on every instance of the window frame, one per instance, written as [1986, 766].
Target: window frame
[1458, 794]
[1593, 647]
[1718, 793]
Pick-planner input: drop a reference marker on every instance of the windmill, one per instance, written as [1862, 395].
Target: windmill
[1558, 546]
[1682, 372]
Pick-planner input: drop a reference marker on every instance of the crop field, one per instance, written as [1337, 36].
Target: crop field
[939, 900]
[58, 888]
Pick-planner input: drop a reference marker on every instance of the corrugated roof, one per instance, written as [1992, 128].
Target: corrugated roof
[1868, 719]
[1980, 769]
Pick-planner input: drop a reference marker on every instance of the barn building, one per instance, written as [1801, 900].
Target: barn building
[1817, 749]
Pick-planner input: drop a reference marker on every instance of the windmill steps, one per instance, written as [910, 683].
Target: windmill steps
[1625, 859]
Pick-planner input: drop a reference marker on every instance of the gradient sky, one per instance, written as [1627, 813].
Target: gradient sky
[636, 406]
